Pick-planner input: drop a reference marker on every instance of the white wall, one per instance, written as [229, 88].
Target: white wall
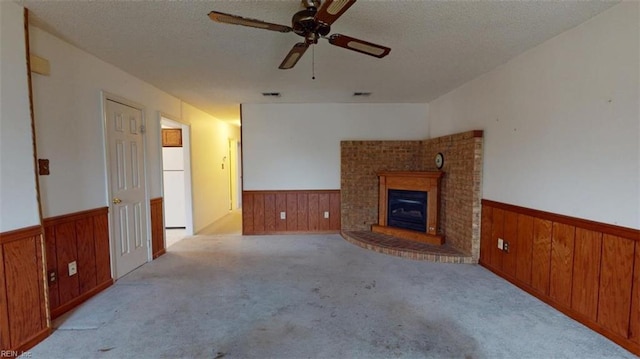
[18, 197]
[210, 182]
[561, 122]
[297, 146]
[69, 122]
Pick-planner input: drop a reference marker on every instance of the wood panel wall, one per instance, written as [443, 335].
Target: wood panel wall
[304, 211]
[23, 312]
[588, 270]
[157, 228]
[82, 237]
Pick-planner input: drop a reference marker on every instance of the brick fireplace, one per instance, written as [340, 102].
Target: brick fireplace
[460, 190]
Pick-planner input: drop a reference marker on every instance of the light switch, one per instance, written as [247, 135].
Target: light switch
[43, 167]
[326, 214]
[283, 215]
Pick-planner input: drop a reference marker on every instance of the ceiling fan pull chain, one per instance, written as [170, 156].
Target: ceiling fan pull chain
[313, 62]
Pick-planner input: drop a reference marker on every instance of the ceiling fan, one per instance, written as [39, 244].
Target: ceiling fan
[312, 23]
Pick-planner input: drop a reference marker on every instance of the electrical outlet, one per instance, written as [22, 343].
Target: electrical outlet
[52, 276]
[326, 214]
[283, 215]
[73, 268]
[505, 246]
[500, 243]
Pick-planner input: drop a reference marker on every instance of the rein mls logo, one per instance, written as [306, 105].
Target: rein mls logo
[14, 354]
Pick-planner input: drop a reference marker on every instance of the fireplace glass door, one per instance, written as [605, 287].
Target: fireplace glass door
[407, 209]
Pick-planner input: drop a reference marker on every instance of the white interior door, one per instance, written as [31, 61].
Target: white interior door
[128, 202]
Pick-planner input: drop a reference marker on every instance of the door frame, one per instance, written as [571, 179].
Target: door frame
[107, 96]
[239, 184]
[188, 190]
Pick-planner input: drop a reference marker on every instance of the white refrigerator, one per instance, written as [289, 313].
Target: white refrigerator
[174, 191]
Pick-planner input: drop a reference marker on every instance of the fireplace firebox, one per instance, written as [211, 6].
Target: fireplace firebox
[407, 209]
[408, 206]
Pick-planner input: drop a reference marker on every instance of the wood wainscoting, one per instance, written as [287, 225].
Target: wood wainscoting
[313, 211]
[82, 237]
[157, 228]
[588, 270]
[23, 312]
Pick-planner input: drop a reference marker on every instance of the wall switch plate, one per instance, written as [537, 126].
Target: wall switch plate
[43, 167]
[500, 243]
[73, 268]
[283, 215]
[326, 214]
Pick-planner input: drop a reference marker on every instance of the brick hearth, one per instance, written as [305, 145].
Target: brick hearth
[399, 247]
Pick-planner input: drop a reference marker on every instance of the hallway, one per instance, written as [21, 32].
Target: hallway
[232, 296]
[229, 224]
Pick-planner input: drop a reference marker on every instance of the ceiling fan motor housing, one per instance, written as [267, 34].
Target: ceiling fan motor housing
[305, 25]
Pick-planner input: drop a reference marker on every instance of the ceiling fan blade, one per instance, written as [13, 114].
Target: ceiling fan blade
[331, 10]
[239, 20]
[362, 46]
[293, 56]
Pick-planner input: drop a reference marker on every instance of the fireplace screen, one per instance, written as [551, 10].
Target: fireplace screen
[407, 209]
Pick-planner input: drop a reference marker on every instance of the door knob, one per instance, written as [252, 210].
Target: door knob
[117, 200]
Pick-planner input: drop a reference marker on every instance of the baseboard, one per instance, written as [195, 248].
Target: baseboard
[55, 313]
[159, 253]
[29, 343]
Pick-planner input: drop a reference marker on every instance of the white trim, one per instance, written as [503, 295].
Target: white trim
[107, 96]
[238, 174]
[186, 145]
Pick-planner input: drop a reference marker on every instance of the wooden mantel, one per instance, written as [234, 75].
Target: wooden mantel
[412, 181]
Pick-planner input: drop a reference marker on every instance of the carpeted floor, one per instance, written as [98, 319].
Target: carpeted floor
[317, 296]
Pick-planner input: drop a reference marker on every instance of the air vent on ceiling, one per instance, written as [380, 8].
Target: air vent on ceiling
[271, 94]
[361, 94]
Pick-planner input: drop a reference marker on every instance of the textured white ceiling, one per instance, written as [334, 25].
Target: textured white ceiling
[435, 46]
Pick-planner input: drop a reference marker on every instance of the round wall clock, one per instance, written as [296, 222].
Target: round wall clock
[439, 160]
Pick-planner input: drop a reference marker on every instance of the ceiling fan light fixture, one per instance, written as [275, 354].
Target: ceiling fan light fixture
[375, 51]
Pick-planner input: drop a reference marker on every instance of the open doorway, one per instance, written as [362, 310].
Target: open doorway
[238, 174]
[235, 175]
[176, 180]
[230, 223]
